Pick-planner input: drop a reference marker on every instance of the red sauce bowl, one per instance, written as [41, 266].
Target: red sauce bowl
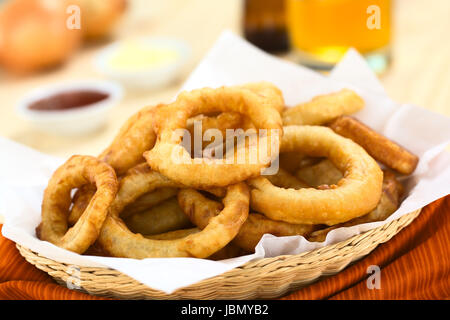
[70, 108]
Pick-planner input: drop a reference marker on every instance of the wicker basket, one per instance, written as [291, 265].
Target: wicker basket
[262, 279]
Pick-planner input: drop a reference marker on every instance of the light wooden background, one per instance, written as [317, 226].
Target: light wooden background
[420, 73]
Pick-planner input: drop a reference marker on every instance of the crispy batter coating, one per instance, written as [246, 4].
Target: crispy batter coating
[357, 193]
[148, 201]
[172, 160]
[323, 108]
[268, 91]
[125, 205]
[200, 210]
[135, 137]
[165, 217]
[378, 146]
[119, 241]
[77, 171]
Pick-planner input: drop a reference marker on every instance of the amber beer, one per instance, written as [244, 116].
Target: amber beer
[321, 31]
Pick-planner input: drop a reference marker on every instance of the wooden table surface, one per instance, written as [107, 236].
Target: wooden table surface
[420, 73]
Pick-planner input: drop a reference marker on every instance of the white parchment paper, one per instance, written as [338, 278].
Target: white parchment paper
[24, 172]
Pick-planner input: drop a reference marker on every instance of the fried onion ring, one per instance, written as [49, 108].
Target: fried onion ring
[148, 201]
[165, 217]
[172, 160]
[269, 91]
[200, 210]
[119, 241]
[135, 137]
[378, 146]
[354, 195]
[80, 201]
[323, 109]
[77, 171]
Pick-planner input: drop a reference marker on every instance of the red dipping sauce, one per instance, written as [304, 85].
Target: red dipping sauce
[69, 100]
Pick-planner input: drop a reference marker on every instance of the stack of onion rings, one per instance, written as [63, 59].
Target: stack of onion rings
[125, 205]
[200, 210]
[119, 241]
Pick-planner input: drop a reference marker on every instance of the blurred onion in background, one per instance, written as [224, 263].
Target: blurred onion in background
[34, 35]
[38, 34]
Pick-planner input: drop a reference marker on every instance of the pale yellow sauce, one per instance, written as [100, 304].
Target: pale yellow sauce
[136, 56]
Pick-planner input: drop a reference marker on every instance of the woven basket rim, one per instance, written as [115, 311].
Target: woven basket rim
[286, 270]
[284, 256]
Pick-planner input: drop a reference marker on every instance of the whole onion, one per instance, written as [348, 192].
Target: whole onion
[34, 35]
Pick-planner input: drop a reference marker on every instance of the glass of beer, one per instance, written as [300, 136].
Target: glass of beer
[321, 31]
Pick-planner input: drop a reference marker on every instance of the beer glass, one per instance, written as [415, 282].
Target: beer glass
[321, 31]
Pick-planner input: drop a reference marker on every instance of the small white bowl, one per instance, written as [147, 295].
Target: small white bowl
[146, 78]
[75, 121]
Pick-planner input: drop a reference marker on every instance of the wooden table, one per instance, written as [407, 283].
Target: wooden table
[420, 73]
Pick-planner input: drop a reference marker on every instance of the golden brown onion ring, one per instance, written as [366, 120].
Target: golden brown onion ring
[80, 201]
[378, 146]
[119, 241]
[135, 137]
[165, 217]
[77, 171]
[269, 91]
[148, 201]
[167, 151]
[323, 108]
[354, 195]
[200, 210]
[222, 122]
